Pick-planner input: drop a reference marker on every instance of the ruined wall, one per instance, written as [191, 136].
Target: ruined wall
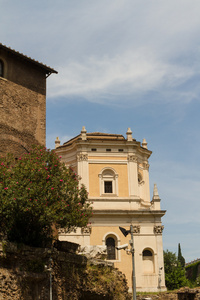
[22, 105]
[23, 276]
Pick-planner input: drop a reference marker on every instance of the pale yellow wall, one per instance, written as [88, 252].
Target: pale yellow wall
[120, 169]
[108, 157]
[124, 262]
[94, 189]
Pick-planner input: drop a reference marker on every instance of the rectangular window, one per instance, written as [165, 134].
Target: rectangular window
[120, 150]
[94, 149]
[108, 150]
[108, 187]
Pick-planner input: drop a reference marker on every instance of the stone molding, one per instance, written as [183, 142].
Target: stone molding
[64, 230]
[136, 229]
[132, 158]
[146, 166]
[141, 182]
[82, 157]
[86, 230]
[158, 229]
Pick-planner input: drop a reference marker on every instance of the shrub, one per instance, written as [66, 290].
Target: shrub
[38, 192]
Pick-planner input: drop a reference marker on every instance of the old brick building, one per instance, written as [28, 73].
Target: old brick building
[22, 101]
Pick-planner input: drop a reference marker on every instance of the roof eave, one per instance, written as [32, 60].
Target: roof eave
[47, 69]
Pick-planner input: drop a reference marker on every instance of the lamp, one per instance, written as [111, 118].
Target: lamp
[125, 233]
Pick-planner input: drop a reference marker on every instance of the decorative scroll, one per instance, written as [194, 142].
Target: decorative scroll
[132, 158]
[64, 230]
[136, 229]
[86, 230]
[141, 182]
[146, 166]
[158, 229]
[81, 157]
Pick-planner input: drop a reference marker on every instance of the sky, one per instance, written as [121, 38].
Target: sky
[124, 63]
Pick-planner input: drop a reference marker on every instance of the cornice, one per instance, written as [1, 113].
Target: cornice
[134, 213]
[107, 161]
[113, 198]
[47, 69]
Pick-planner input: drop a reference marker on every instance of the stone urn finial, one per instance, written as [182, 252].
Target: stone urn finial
[57, 142]
[83, 134]
[144, 144]
[129, 135]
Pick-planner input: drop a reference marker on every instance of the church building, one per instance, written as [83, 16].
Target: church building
[115, 171]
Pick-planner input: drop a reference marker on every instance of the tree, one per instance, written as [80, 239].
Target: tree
[38, 192]
[174, 272]
[181, 259]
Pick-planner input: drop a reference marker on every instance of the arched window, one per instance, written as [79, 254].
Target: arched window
[1, 68]
[147, 253]
[111, 251]
[148, 261]
[108, 180]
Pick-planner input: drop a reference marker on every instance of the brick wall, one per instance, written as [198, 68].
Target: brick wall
[23, 118]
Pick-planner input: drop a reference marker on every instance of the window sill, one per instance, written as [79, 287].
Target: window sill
[108, 195]
[113, 260]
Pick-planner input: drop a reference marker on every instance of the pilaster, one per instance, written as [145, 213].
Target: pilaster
[146, 180]
[133, 176]
[83, 172]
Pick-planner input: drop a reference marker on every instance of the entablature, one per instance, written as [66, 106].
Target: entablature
[131, 213]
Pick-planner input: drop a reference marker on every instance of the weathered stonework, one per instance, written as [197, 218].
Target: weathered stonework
[23, 276]
[158, 229]
[22, 102]
[23, 118]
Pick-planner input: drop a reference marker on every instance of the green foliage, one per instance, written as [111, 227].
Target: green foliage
[197, 282]
[181, 259]
[193, 270]
[38, 192]
[4, 247]
[174, 272]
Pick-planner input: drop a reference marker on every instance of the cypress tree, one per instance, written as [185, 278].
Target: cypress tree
[181, 259]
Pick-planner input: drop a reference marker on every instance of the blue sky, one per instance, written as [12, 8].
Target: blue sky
[124, 63]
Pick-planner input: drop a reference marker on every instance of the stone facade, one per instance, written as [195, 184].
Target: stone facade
[115, 171]
[22, 102]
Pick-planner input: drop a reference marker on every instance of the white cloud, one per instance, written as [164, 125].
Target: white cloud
[106, 50]
[121, 75]
[129, 50]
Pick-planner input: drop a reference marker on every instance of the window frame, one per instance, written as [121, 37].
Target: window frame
[116, 237]
[111, 254]
[146, 258]
[108, 174]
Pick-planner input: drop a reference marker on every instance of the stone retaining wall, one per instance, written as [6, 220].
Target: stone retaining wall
[25, 274]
